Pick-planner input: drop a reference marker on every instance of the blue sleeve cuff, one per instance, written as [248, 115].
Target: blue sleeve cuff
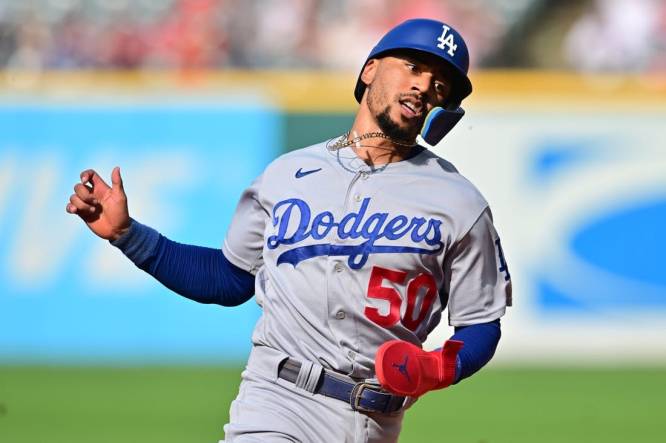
[480, 344]
[139, 243]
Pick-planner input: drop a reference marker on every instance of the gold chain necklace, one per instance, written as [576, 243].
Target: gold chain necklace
[344, 141]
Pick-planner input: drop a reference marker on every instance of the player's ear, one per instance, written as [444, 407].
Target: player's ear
[369, 71]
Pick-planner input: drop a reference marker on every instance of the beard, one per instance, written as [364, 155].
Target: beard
[390, 127]
[393, 130]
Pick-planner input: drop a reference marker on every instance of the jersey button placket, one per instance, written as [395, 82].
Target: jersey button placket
[354, 197]
[341, 315]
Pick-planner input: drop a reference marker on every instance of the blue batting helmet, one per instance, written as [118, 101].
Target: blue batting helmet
[432, 37]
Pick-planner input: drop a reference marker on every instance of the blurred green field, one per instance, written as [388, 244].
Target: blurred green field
[76, 405]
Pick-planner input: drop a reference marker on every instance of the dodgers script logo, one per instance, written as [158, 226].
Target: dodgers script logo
[295, 213]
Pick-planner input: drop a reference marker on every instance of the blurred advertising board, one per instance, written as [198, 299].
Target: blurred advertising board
[574, 170]
[67, 296]
[578, 191]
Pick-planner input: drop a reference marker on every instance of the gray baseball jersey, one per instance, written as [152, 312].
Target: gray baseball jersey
[347, 257]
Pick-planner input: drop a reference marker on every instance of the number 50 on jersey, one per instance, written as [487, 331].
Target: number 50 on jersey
[376, 290]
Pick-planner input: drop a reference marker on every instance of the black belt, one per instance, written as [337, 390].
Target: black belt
[361, 396]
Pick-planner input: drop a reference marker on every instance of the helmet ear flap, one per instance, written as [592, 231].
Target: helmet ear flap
[438, 123]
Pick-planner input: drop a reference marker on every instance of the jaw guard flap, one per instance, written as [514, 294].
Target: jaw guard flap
[438, 123]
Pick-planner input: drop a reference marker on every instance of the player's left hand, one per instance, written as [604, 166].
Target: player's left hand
[405, 369]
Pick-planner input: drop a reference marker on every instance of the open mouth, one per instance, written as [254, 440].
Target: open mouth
[411, 108]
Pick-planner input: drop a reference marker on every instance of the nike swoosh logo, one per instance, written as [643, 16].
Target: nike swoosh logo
[301, 173]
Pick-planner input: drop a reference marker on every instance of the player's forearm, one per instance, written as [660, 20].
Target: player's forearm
[198, 273]
[480, 344]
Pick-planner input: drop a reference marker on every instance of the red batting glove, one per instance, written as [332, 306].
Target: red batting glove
[406, 369]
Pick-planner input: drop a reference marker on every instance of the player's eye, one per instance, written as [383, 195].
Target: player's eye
[441, 88]
[410, 66]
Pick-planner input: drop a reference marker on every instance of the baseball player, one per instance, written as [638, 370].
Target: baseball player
[353, 248]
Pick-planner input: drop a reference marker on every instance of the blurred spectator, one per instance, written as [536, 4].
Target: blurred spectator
[32, 41]
[71, 44]
[124, 45]
[659, 60]
[8, 41]
[188, 36]
[284, 35]
[347, 40]
[180, 34]
[627, 35]
[616, 35]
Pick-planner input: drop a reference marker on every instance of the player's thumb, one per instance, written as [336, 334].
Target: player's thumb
[117, 181]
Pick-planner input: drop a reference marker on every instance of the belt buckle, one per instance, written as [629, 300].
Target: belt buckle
[357, 393]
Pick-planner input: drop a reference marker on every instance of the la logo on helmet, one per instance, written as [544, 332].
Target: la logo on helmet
[447, 40]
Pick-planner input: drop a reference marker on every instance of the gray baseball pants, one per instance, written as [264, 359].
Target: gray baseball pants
[270, 409]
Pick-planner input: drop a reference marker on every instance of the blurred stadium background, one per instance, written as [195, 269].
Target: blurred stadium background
[564, 135]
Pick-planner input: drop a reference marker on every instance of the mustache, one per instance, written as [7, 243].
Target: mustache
[414, 95]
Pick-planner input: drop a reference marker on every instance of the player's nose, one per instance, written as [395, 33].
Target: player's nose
[424, 84]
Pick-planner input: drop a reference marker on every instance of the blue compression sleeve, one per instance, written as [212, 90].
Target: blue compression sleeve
[198, 273]
[480, 343]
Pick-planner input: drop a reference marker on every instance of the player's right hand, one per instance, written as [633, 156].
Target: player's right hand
[102, 207]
